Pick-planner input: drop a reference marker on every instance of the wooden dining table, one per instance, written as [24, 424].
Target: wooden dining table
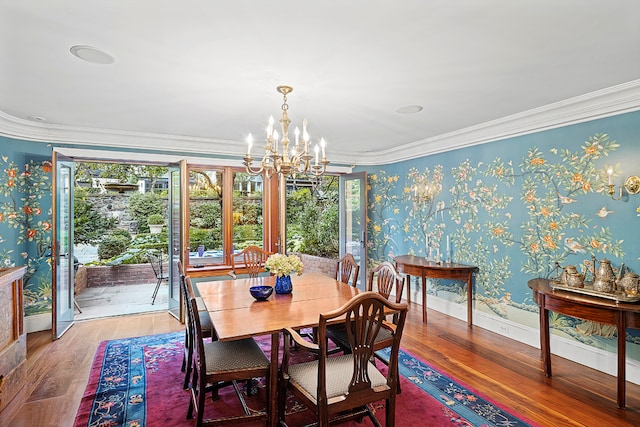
[236, 314]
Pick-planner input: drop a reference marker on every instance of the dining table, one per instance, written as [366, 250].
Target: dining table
[235, 314]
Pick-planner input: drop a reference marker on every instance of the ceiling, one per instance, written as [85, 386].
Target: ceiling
[199, 75]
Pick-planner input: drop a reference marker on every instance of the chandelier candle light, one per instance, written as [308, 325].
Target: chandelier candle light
[290, 162]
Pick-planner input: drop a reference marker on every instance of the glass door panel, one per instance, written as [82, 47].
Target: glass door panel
[206, 225]
[353, 219]
[247, 211]
[176, 238]
[63, 274]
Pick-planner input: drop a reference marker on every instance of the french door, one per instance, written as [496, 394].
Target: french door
[62, 250]
[353, 219]
[177, 189]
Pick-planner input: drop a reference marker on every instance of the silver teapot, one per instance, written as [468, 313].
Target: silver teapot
[629, 283]
[566, 271]
[604, 278]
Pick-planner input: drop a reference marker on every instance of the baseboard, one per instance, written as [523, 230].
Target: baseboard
[592, 357]
[37, 322]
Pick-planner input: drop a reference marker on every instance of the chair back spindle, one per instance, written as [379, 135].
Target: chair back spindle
[347, 270]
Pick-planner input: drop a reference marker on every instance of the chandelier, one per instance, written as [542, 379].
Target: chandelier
[290, 162]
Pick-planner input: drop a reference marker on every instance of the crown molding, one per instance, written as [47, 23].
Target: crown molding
[607, 102]
[612, 101]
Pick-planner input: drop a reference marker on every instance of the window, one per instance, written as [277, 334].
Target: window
[225, 214]
[312, 216]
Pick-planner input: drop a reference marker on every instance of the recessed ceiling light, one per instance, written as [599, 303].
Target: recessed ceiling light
[92, 54]
[37, 118]
[409, 109]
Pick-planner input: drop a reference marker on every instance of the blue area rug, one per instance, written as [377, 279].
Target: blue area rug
[137, 382]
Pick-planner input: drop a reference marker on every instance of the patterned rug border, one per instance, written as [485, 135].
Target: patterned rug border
[466, 405]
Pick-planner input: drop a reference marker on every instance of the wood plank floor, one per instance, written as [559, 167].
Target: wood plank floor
[507, 371]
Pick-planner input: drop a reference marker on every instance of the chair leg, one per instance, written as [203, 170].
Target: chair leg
[390, 411]
[155, 291]
[187, 374]
[282, 400]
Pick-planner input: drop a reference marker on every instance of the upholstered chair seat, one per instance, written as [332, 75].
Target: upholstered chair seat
[339, 373]
[234, 356]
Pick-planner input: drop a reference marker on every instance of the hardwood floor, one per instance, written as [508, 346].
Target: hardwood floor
[505, 370]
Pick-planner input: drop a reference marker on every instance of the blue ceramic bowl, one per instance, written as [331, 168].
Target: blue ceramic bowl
[261, 293]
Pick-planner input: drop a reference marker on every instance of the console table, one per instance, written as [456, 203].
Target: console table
[622, 315]
[419, 266]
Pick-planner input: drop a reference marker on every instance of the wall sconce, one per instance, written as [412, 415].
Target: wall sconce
[423, 191]
[631, 184]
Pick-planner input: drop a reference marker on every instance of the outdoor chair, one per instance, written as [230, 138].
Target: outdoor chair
[216, 362]
[387, 280]
[252, 259]
[338, 388]
[157, 263]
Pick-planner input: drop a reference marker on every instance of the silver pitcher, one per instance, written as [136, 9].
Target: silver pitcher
[574, 280]
[604, 278]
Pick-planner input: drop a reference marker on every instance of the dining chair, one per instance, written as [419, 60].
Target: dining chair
[387, 280]
[205, 324]
[343, 386]
[252, 259]
[157, 261]
[347, 270]
[216, 362]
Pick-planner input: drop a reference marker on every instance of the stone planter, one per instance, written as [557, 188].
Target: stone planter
[155, 228]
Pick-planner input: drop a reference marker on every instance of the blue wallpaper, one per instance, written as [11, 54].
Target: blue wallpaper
[25, 218]
[515, 208]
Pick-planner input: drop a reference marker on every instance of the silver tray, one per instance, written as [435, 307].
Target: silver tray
[618, 296]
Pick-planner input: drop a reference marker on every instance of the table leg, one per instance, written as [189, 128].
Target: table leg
[622, 359]
[273, 381]
[408, 289]
[424, 297]
[544, 338]
[470, 299]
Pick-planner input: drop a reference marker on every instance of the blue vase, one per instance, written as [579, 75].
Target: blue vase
[283, 285]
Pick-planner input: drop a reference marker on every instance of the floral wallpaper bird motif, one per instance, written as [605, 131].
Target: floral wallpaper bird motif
[488, 209]
[25, 206]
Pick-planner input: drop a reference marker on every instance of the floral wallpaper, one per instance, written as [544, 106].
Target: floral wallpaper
[25, 227]
[517, 209]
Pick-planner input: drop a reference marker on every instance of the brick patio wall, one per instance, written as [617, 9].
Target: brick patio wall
[131, 274]
[323, 265]
[80, 279]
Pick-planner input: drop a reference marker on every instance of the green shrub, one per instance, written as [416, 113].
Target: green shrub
[121, 232]
[209, 238]
[143, 205]
[242, 233]
[206, 215]
[155, 219]
[111, 246]
[88, 225]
